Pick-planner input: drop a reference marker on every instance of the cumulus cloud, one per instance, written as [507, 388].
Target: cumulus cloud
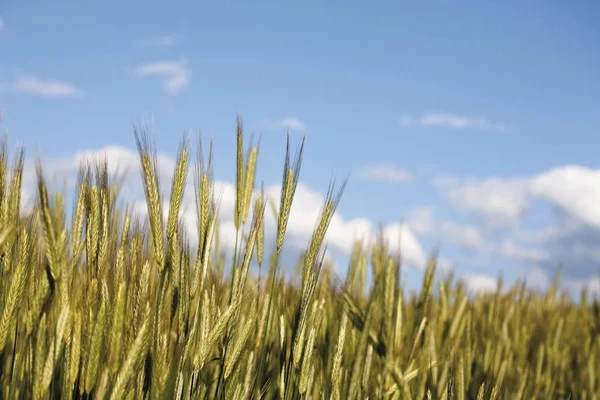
[35, 86]
[591, 285]
[574, 189]
[385, 172]
[480, 283]
[451, 121]
[343, 232]
[423, 222]
[304, 215]
[572, 243]
[501, 202]
[537, 279]
[571, 232]
[510, 249]
[291, 123]
[175, 75]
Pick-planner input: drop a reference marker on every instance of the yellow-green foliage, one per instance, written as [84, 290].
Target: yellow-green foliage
[106, 306]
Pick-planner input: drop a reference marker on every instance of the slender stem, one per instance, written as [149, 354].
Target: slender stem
[225, 341]
[260, 358]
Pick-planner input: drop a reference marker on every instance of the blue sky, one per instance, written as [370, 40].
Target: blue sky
[476, 122]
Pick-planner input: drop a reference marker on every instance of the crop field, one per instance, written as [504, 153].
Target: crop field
[98, 303]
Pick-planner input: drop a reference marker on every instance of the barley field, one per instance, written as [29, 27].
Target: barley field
[103, 304]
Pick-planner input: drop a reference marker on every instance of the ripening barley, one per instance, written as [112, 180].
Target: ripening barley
[104, 304]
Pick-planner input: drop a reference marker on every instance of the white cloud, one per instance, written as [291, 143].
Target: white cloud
[543, 235]
[343, 232]
[176, 75]
[509, 249]
[421, 220]
[291, 123]
[467, 236]
[455, 121]
[451, 121]
[386, 172]
[303, 217]
[537, 279]
[411, 250]
[572, 225]
[159, 41]
[444, 181]
[423, 223]
[35, 86]
[502, 202]
[479, 283]
[119, 159]
[1, 24]
[574, 189]
[577, 285]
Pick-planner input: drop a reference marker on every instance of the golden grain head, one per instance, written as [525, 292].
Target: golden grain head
[89, 307]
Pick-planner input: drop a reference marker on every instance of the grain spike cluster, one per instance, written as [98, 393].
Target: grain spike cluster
[105, 305]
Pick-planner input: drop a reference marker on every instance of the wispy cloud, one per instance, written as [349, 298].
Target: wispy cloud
[451, 121]
[444, 180]
[164, 41]
[386, 172]
[1, 24]
[35, 86]
[176, 75]
[291, 123]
